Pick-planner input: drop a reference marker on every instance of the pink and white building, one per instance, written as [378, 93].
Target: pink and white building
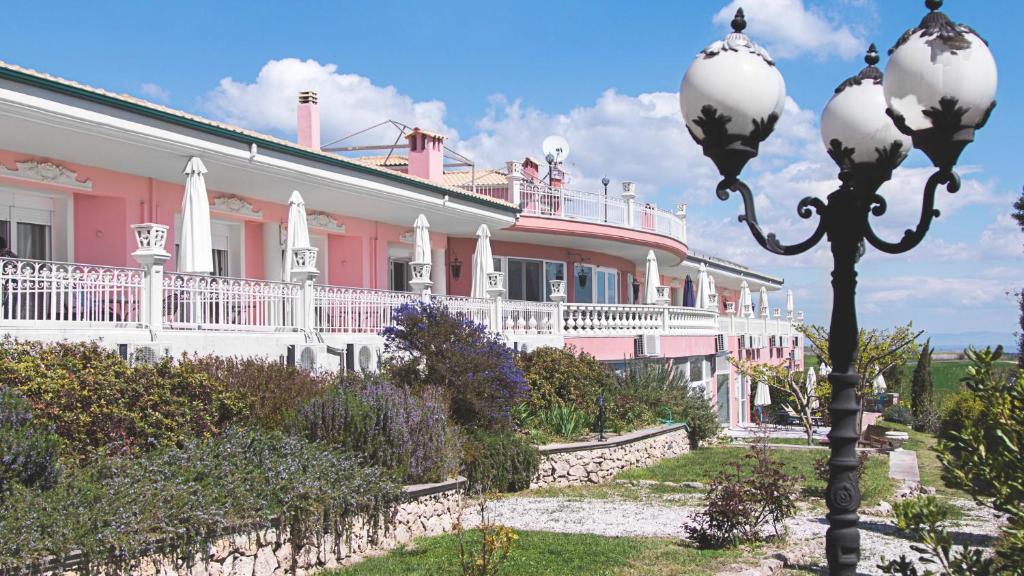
[91, 187]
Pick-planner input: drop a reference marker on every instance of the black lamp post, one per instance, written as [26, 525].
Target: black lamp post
[551, 166]
[604, 182]
[939, 88]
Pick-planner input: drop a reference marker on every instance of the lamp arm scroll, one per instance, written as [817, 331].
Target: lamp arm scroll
[805, 209]
[911, 238]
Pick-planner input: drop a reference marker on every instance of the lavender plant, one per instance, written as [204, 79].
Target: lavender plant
[430, 346]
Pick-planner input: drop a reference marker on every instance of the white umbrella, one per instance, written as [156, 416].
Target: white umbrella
[824, 370]
[789, 303]
[746, 306]
[711, 288]
[878, 386]
[483, 262]
[765, 310]
[812, 384]
[652, 279]
[195, 250]
[298, 231]
[763, 397]
[421, 250]
[702, 287]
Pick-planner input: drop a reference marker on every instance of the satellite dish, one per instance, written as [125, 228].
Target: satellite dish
[557, 147]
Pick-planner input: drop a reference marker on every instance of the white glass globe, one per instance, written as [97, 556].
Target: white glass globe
[925, 67]
[737, 78]
[855, 116]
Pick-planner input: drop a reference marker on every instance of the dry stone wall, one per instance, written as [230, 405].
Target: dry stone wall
[595, 462]
[427, 510]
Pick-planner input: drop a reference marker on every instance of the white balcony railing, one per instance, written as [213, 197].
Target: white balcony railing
[195, 301]
[356, 310]
[521, 317]
[40, 291]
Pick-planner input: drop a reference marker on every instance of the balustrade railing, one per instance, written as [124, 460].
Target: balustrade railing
[41, 291]
[478, 310]
[521, 317]
[196, 300]
[356, 310]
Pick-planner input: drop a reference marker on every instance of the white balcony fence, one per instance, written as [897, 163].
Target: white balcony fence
[632, 319]
[521, 317]
[38, 291]
[193, 300]
[479, 310]
[356, 310]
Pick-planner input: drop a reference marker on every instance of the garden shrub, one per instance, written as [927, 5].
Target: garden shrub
[95, 401]
[559, 376]
[429, 346]
[924, 519]
[271, 390]
[390, 426]
[28, 451]
[961, 408]
[700, 416]
[176, 501]
[498, 461]
[741, 505]
[898, 414]
[922, 398]
[647, 390]
[565, 421]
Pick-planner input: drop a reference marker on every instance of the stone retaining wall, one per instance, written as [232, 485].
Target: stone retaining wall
[426, 510]
[595, 462]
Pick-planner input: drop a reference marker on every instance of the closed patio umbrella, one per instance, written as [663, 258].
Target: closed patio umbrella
[652, 279]
[762, 397]
[824, 370]
[195, 247]
[483, 262]
[812, 384]
[878, 385]
[711, 290]
[763, 304]
[421, 249]
[703, 289]
[746, 306]
[689, 299]
[298, 231]
[789, 303]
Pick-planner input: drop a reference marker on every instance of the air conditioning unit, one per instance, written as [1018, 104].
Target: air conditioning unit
[647, 345]
[149, 353]
[310, 357]
[720, 343]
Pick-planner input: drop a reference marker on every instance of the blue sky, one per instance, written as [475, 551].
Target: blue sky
[498, 77]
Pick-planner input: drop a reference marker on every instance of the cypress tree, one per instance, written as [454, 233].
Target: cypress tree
[921, 407]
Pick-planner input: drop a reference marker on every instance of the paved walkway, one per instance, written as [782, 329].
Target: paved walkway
[903, 466]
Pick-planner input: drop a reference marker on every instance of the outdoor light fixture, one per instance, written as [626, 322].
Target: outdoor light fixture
[551, 165]
[456, 268]
[636, 289]
[939, 87]
[605, 182]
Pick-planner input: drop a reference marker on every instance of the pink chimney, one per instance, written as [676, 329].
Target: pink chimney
[309, 120]
[426, 154]
[530, 168]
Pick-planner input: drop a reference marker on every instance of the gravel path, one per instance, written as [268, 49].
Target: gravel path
[613, 517]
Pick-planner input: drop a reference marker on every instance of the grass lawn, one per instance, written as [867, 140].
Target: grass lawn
[551, 554]
[705, 464]
[927, 460]
[788, 441]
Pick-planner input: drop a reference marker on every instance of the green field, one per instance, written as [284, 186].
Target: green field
[552, 554]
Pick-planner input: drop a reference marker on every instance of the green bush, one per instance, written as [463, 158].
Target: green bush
[176, 501]
[28, 451]
[558, 376]
[912, 513]
[898, 415]
[960, 409]
[648, 390]
[96, 402]
[566, 421]
[390, 426]
[271, 390]
[498, 461]
[700, 416]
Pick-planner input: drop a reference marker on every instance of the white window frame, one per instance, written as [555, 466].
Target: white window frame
[29, 206]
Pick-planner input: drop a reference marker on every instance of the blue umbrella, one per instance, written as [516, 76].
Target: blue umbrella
[689, 298]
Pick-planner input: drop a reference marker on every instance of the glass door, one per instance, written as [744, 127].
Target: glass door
[583, 283]
[606, 285]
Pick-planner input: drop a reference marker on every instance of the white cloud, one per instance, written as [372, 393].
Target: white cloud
[348, 102]
[789, 29]
[155, 92]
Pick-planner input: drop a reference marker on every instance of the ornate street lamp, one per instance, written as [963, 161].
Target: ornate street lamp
[939, 88]
[605, 182]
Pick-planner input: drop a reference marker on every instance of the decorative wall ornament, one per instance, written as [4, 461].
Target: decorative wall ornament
[47, 172]
[408, 237]
[325, 221]
[236, 205]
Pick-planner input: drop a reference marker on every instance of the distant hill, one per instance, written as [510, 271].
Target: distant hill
[956, 342]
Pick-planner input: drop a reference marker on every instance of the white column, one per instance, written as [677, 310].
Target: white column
[439, 272]
[305, 273]
[150, 240]
[681, 214]
[558, 295]
[515, 182]
[629, 195]
[495, 290]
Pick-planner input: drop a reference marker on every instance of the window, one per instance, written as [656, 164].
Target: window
[607, 285]
[529, 279]
[400, 276]
[27, 231]
[226, 243]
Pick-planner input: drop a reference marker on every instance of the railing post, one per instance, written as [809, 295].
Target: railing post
[495, 290]
[421, 282]
[150, 241]
[558, 297]
[515, 183]
[629, 195]
[305, 273]
[681, 214]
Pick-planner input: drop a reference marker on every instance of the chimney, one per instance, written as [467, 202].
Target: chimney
[308, 128]
[557, 176]
[426, 154]
[530, 168]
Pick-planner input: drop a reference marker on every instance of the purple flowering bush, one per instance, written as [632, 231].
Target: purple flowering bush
[429, 346]
[405, 431]
[29, 451]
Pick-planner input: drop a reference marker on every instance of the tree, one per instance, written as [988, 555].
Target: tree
[922, 405]
[779, 377]
[1018, 215]
[877, 351]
